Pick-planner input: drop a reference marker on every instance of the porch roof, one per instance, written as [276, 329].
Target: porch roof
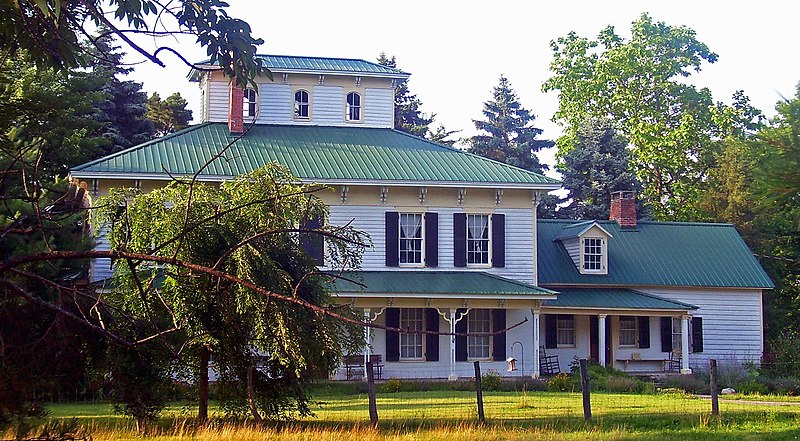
[431, 284]
[613, 298]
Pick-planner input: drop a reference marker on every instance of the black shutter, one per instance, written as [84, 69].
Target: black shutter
[432, 239]
[313, 243]
[392, 337]
[392, 241]
[644, 332]
[461, 340]
[459, 239]
[697, 334]
[550, 331]
[431, 340]
[498, 240]
[499, 340]
[666, 334]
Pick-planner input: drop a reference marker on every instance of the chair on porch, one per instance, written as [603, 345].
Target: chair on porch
[548, 364]
[673, 364]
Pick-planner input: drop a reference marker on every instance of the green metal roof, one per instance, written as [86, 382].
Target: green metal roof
[434, 283]
[656, 254]
[350, 66]
[612, 298]
[576, 230]
[313, 153]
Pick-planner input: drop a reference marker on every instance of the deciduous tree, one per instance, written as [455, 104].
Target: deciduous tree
[168, 115]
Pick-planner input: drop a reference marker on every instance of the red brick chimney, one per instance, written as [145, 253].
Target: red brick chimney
[623, 208]
[235, 108]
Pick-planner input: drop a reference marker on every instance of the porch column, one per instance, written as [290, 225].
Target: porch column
[601, 339]
[536, 343]
[685, 345]
[453, 376]
[367, 338]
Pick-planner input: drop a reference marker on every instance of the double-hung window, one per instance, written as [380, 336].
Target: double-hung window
[478, 245]
[565, 330]
[592, 254]
[478, 322]
[353, 111]
[250, 107]
[411, 239]
[628, 331]
[301, 104]
[411, 319]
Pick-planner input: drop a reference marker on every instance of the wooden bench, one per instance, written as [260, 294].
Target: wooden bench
[354, 366]
[377, 365]
[673, 363]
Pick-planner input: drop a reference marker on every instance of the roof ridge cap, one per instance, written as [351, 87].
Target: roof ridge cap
[142, 145]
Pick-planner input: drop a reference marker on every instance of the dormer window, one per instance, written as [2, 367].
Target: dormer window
[593, 255]
[301, 104]
[353, 111]
[250, 104]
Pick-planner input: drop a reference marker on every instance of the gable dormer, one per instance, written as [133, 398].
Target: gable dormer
[587, 245]
[307, 91]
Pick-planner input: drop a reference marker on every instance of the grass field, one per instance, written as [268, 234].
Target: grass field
[450, 415]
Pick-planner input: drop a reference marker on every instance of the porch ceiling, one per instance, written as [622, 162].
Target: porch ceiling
[613, 298]
[436, 284]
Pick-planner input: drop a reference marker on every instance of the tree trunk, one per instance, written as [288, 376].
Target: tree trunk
[251, 395]
[202, 384]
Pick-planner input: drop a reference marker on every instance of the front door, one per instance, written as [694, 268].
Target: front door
[594, 339]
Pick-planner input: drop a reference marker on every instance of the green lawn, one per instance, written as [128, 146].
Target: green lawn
[450, 415]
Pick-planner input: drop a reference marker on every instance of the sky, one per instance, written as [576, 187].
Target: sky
[455, 51]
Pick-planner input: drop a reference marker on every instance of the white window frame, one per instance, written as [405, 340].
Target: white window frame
[349, 107]
[249, 104]
[479, 321]
[487, 241]
[420, 240]
[298, 104]
[632, 331]
[412, 319]
[565, 335]
[595, 250]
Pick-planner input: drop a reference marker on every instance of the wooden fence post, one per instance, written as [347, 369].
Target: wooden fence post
[587, 404]
[373, 407]
[714, 394]
[479, 388]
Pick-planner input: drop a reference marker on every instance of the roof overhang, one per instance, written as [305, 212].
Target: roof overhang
[194, 74]
[614, 299]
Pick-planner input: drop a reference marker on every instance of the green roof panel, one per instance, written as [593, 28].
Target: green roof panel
[312, 153]
[613, 298]
[656, 254]
[344, 65]
[433, 283]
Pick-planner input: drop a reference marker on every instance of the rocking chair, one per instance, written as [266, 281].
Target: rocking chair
[548, 364]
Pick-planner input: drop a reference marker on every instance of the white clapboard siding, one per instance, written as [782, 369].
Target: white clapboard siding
[100, 269]
[275, 104]
[371, 219]
[379, 108]
[732, 326]
[327, 105]
[218, 101]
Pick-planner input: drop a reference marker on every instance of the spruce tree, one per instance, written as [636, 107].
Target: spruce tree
[596, 166]
[407, 116]
[511, 136]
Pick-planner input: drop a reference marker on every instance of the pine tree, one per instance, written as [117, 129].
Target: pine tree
[511, 136]
[596, 166]
[407, 116]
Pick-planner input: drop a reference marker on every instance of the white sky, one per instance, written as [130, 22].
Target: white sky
[456, 50]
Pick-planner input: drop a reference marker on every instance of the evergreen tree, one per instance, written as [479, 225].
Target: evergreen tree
[597, 166]
[442, 136]
[511, 136]
[122, 111]
[168, 115]
[407, 116]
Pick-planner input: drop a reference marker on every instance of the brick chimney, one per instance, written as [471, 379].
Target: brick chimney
[623, 208]
[235, 108]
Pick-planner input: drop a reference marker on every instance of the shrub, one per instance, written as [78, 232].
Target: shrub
[491, 380]
[623, 385]
[562, 382]
[393, 385]
[689, 383]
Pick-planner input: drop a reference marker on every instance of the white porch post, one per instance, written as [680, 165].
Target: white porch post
[601, 339]
[685, 345]
[536, 343]
[367, 339]
[453, 376]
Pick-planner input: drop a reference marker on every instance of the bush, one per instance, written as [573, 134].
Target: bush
[491, 380]
[689, 383]
[562, 382]
[783, 359]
